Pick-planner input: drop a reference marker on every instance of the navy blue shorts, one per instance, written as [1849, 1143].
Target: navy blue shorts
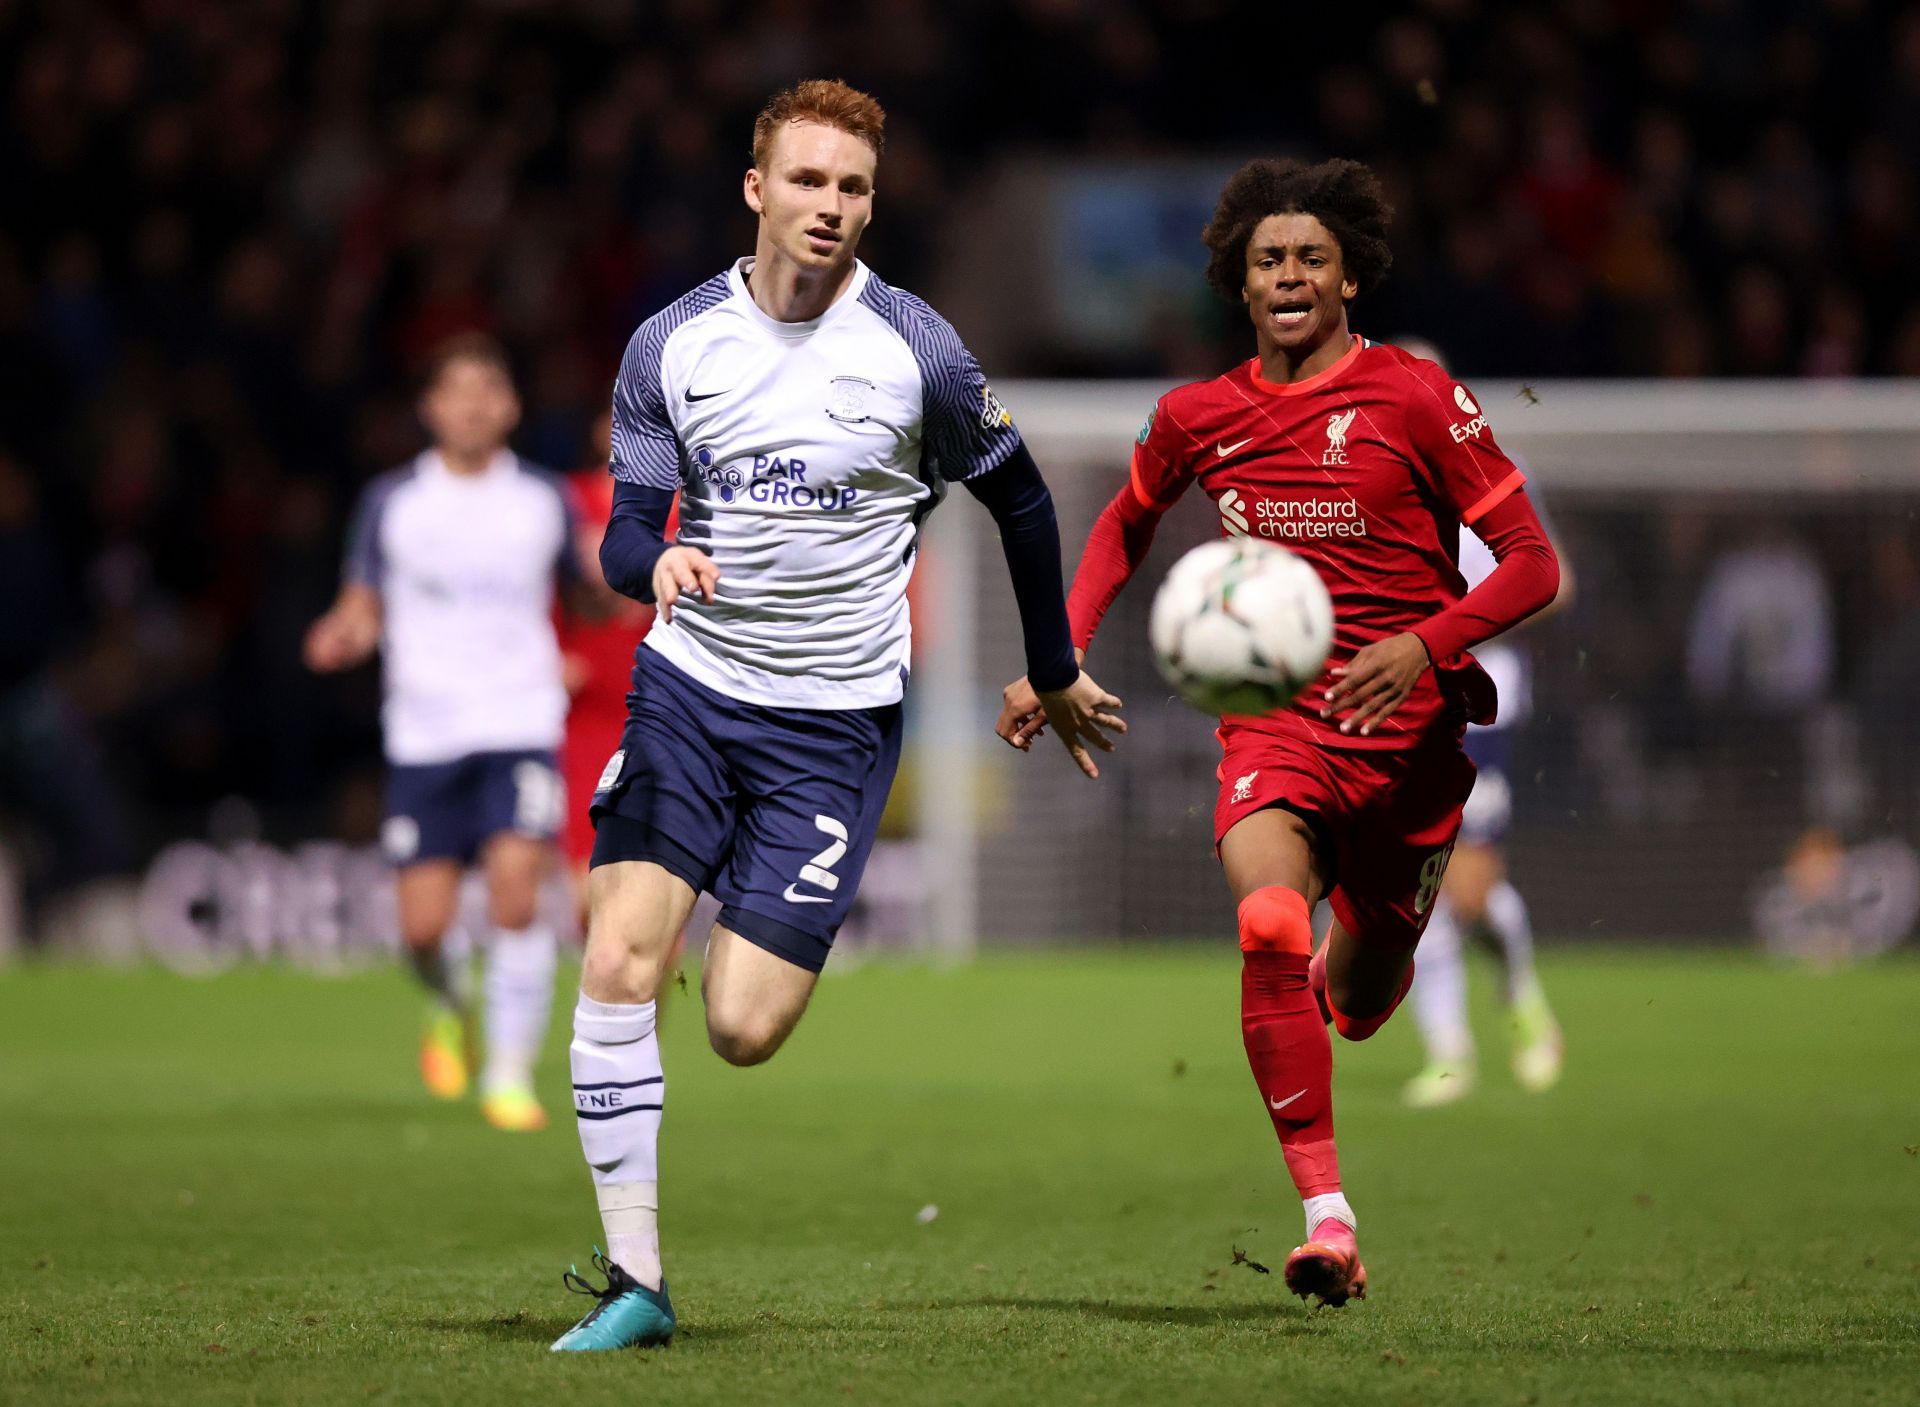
[448, 810]
[770, 810]
[1489, 810]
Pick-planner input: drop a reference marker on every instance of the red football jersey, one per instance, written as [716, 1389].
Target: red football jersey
[1367, 471]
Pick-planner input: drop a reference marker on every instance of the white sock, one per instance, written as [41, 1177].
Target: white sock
[1439, 993]
[1328, 1204]
[630, 1216]
[520, 966]
[1509, 922]
[618, 1091]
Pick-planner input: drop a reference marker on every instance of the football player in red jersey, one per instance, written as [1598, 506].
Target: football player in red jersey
[1365, 461]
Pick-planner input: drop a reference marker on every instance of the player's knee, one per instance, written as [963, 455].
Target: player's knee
[422, 926]
[628, 948]
[1275, 919]
[743, 1038]
[613, 970]
[513, 904]
[1361, 1003]
[1355, 1005]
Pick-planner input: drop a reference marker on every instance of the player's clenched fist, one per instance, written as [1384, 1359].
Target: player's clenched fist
[681, 570]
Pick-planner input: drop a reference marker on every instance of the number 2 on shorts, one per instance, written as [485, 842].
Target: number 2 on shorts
[819, 870]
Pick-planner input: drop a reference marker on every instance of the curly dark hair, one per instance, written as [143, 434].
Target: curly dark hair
[1342, 195]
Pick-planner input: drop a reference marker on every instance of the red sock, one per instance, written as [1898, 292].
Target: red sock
[1286, 1036]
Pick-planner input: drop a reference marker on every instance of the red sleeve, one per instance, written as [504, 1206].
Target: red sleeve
[1452, 438]
[1525, 577]
[1162, 459]
[1115, 549]
[1117, 545]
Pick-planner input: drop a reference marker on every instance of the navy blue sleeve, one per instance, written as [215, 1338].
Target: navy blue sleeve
[1017, 496]
[636, 536]
[365, 563]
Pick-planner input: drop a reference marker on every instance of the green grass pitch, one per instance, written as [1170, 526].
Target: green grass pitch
[233, 1191]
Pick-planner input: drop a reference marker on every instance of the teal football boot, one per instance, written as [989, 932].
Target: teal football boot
[627, 1315]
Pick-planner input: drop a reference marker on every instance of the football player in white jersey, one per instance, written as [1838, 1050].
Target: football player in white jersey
[1476, 898]
[810, 416]
[451, 568]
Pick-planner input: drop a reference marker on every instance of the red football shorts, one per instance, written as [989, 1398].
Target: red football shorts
[1385, 818]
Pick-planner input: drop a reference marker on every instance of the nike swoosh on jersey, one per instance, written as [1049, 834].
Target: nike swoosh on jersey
[1283, 1103]
[792, 898]
[705, 395]
[1224, 450]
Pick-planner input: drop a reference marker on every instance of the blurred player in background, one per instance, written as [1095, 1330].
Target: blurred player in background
[1477, 899]
[451, 568]
[1366, 462]
[810, 417]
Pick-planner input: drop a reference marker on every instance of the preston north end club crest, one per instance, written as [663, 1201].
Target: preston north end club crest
[847, 399]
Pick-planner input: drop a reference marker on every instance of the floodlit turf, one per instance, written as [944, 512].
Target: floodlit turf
[234, 1191]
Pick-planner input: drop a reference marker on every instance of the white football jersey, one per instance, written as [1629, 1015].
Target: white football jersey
[465, 566]
[806, 455]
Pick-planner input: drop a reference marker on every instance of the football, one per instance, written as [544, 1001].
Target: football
[1241, 626]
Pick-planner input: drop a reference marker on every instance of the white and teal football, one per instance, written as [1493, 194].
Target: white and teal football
[1241, 627]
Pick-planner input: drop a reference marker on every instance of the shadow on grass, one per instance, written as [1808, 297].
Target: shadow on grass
[522, 1327]
[1197, 1316]
[518, 1327]
[1280, 1316]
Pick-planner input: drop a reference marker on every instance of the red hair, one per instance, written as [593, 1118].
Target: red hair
[827, 101]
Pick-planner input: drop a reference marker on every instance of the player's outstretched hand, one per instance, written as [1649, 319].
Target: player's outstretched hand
[1375, 682]
[1077, 715]
[681, 570]
[1021, 717]
[340, 639]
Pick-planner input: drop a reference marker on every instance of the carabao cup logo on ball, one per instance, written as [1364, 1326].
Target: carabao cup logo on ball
[1241, 627]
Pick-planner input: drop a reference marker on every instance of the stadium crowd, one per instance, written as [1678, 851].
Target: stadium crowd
[232, 233]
